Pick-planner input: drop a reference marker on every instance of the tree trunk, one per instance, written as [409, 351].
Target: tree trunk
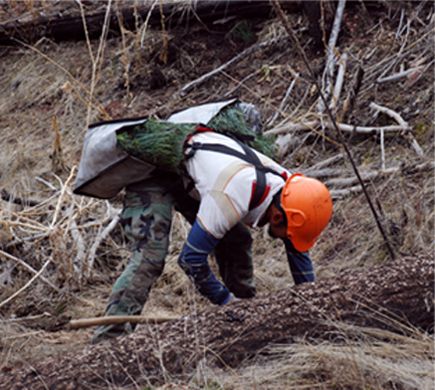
[400, 291]
[66, 27]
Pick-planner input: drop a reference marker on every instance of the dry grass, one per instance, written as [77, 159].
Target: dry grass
[358, 358]
[378, 361]
[65, 81]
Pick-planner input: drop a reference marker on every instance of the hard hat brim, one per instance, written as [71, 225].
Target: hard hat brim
[302, 246]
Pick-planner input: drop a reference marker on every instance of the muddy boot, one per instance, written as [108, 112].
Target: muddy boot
[107, 332]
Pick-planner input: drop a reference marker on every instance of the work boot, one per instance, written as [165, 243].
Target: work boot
[107, 332]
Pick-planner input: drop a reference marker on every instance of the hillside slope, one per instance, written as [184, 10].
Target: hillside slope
[49, 93]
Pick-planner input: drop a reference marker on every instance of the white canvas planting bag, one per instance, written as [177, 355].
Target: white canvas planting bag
[104, 168]
[200, 114]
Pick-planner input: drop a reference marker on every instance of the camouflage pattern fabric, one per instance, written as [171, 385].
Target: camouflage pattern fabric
[146, 220]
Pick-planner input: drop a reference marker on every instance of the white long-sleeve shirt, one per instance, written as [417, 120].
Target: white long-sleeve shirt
[225, 185]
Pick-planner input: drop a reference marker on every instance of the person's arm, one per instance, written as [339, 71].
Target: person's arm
[300, 264]
[193, 260]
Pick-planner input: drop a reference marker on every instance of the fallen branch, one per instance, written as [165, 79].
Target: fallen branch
[396, 116]
[369, 174]
[366, 129]
[21, 240]
[352, 94]
[310, 125]
[342, 193]
[291, 127]
[398, 76]
[112, 320]
[338, 83]
[372, 175]
[28, 318]
[47, 183]
[326, 172]
[390, 113]
[328, 161]
[245, 53]
[330, 60]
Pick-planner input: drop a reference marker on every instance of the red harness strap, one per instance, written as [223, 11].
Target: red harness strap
[263, 196]
[202, 129]
[198, 129]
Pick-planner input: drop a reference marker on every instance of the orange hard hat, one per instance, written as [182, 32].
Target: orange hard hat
[307, 205]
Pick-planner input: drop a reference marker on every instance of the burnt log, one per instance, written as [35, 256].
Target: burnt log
[382, 297]
[68, 26]
[59, 24]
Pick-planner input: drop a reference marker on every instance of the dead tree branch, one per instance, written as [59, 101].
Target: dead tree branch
[338, 83]
[330, 59]
[405, 169]
[399, 75]
[415, 145]
[313, 124]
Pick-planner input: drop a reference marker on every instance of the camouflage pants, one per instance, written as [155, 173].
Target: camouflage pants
[146, 220]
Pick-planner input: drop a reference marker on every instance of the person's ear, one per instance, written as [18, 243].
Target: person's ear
[276, 217]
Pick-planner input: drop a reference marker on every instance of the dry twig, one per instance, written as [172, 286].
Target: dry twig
[284, 100]
[36, 276]
[60, 200]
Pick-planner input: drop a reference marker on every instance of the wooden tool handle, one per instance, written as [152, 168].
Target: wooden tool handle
[111, 320]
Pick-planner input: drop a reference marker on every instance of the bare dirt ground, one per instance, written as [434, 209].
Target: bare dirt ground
[50, 91]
